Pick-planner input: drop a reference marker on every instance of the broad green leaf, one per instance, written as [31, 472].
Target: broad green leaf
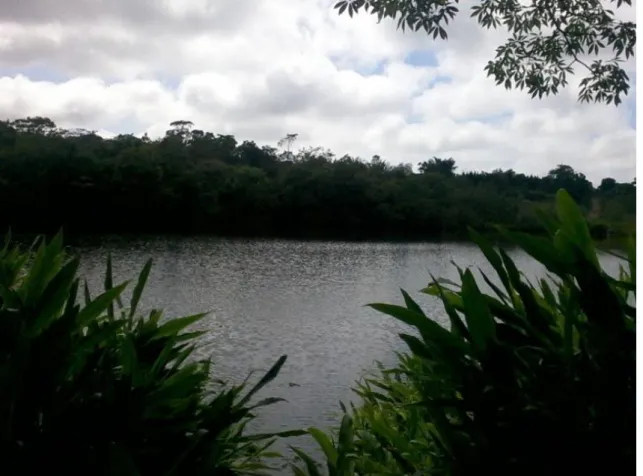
[411, 304]
[479, 320]
[54, 297]
[345, 445]
[325, 444]
[549, 222]
[430, 330]
[311, 466]
[174, 326]
[574, 225]
[541, 249]
[418, 347]
[492, 256]
[129, 359]
[45, 264]
[451, 301]
[99, 305]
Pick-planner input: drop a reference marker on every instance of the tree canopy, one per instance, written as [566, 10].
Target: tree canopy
[195, 181]
[548, 40]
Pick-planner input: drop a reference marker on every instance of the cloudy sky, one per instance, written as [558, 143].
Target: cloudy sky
[260, 69]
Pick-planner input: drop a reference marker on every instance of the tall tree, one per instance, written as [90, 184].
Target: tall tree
[549, 40]
[213, 184]
[436, 165]
[287, 143]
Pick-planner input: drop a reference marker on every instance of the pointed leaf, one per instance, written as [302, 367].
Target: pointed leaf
[325, 444]
[269, 377]
[140, 286]
[311, 466]
[411, 304]
[96, 307]
[174, 326]
[574, 225]
[480, 322]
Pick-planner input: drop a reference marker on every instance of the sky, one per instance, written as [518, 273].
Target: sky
[260, 69]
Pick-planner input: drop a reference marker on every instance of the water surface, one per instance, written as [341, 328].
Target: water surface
[303, 299]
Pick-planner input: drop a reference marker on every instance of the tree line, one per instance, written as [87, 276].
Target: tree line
[193, 181]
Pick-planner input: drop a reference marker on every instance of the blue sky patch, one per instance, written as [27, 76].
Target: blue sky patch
[36, 73]
[421, 58]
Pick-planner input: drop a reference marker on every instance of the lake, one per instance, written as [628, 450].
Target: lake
[303, 299]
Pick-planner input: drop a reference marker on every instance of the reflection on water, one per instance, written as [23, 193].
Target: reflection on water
[304, 299]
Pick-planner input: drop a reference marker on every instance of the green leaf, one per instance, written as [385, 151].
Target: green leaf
[311, 466]
[325, 444]
[574, 225]
[430, 330]
[492, 256]
[548, 222]
[417, 346]
[345, 445]
[87, 295]
[109, 284]
[140, 286]
[281, 434]
[269, 377]
[129, 359]
[45, 264]
[298, 471]
[631, 255]
[267, 401]
[54, 297]
[174, 326]
[541, 249]
[411, 304]
[480, 322]
[501, 295]
[96, 307]
[451, 302]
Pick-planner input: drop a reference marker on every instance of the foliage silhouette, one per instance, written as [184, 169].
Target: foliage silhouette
[547, 40]
[90, 386]
[192, 181]
[530, 378]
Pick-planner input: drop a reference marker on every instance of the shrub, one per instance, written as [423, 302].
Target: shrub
[95, 388]
[529, 379]
[386, 434]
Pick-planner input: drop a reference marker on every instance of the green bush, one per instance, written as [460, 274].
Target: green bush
[386, 434]
[534, 379]
[94, 388]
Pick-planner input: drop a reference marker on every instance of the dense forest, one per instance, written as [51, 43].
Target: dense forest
[192, 181]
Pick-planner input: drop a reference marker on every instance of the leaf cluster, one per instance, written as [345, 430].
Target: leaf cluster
[547, 40]
[90, 386]
[529, 378]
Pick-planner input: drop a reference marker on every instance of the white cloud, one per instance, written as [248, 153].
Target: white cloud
[262, 68]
